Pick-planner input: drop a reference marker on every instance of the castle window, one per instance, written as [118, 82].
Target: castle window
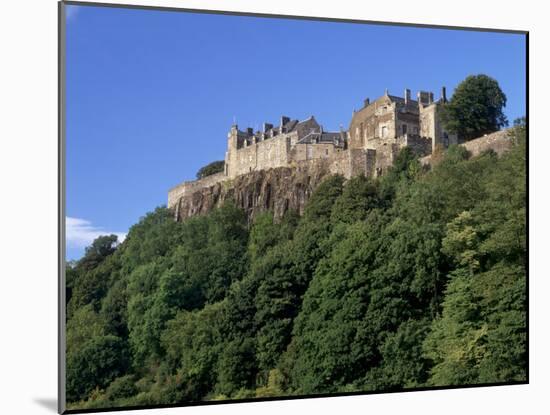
[404, 127]
[326, 152]
[309, 152]
[416, 130]
[384, 131]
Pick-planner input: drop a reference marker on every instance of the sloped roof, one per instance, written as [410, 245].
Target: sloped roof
[290, 126]
[335, 138]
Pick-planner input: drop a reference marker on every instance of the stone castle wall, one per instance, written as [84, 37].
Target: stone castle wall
[190, 187]
[499, 142]
[266, 154]
[339, 163]
[289, 186]
[275, 152]
[418, 144]
[313, 151]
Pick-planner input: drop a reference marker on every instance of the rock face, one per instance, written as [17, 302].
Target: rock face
[279, 190]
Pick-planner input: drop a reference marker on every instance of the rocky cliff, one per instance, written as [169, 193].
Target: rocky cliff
[279, 190]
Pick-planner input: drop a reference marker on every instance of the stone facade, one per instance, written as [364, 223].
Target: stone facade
[291, 141]
[377, 132]
[390, 123]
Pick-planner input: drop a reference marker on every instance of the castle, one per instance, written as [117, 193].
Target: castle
[376, 134]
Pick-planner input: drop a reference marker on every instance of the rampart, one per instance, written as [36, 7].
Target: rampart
[499, 142]
[190, 187]
[266, 154]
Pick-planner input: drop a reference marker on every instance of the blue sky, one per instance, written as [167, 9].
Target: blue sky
[151, 95]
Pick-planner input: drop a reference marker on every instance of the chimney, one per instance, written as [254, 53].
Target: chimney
[407, 96]
[443, 94]
[425, 98]
[284, 121]
[366, 101]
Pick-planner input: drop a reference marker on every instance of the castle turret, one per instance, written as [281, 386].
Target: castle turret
[232, 137]
[232, 146]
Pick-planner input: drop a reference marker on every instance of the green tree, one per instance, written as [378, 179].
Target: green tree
[211, 168]
[192, 342]
[95, 365]
[267, 233]
[114, 308]
[101, 247]
[93, 282]
[277, 302]
[144, 323]
[480, 336]
[85, 324]
[332, 338]
[475, 108]
[122, 387]
[359, 196]
[403, 364]
[415, 278]
[237, 366]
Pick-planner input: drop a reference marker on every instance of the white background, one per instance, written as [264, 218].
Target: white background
[28, 205]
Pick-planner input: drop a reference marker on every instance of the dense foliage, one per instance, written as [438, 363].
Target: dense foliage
[416, 279]
[475, 108]
[210, 169]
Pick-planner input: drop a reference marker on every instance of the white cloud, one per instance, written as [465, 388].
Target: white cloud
[80, 233]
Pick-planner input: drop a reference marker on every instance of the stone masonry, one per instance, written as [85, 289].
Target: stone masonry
[376, 134]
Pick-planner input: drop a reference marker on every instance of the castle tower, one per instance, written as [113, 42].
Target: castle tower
[232, 146]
